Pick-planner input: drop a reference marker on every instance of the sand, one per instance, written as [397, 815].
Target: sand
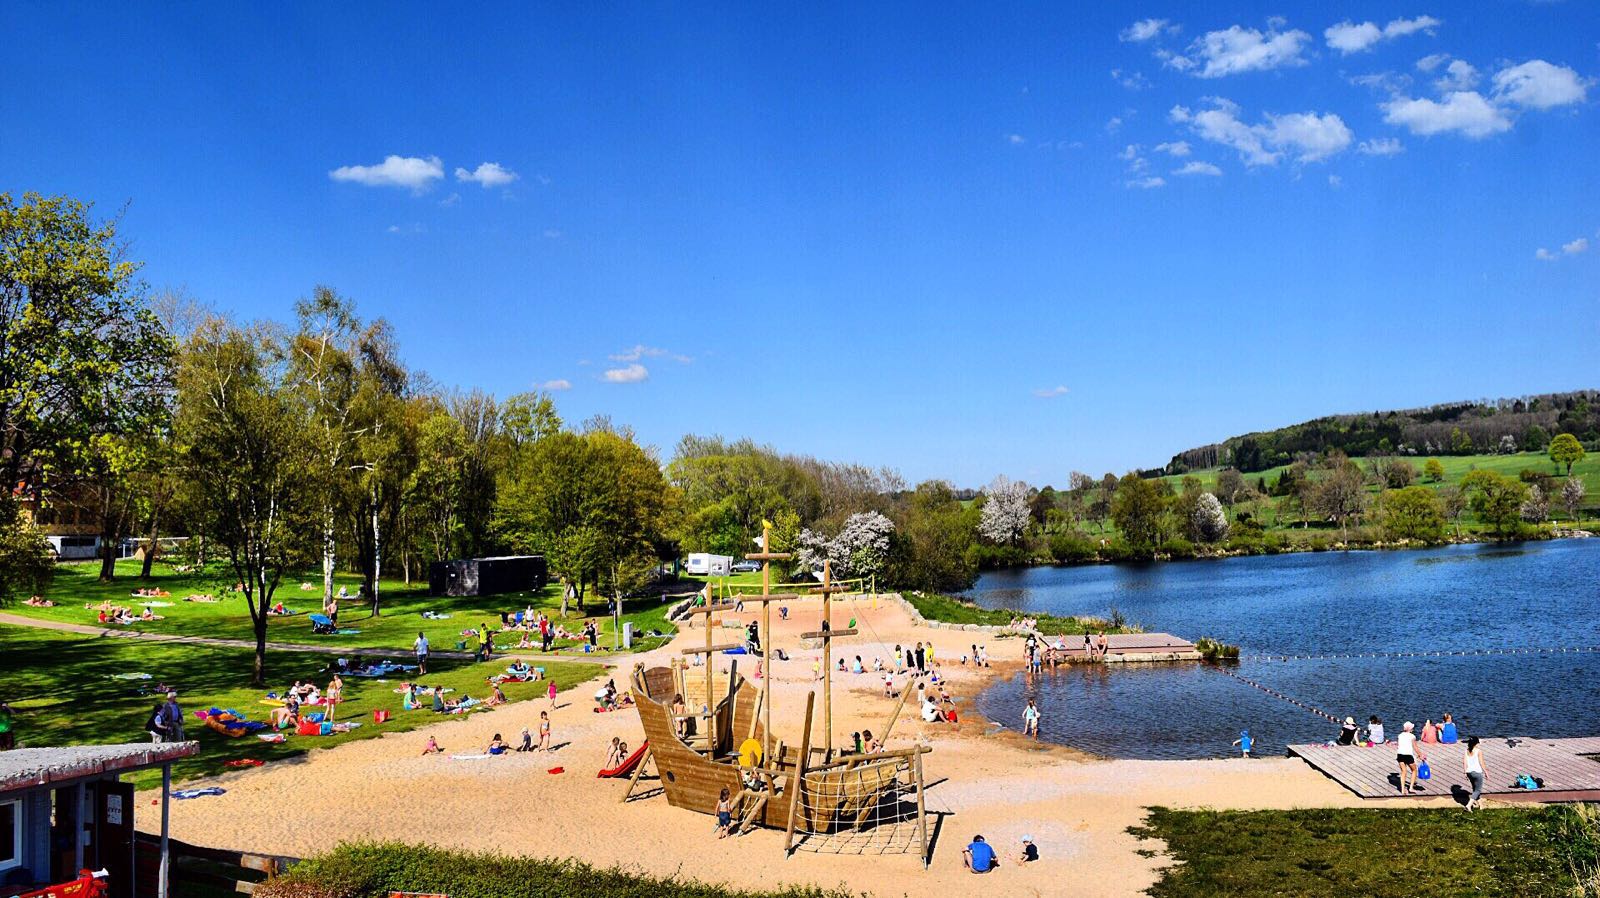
[1077, 808]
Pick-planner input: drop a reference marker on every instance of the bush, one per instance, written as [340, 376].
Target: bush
[373, 870]
[1073, 548]
[1215, 650]
[1178, 547]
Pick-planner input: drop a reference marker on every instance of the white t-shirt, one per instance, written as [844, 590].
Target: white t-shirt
[422, 645]
[1406, 744]
[1474, 762]
[1375, 733]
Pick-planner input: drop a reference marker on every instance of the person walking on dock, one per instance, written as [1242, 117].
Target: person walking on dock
[1472, 764]
[1405, 755]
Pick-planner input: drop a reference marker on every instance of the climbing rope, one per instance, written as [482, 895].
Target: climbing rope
[1537, 650]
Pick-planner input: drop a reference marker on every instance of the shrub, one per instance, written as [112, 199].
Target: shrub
[1216, 650]
[1178, 547]
[1073, 548]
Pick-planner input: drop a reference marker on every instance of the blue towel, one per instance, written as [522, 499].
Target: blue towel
[196, 793]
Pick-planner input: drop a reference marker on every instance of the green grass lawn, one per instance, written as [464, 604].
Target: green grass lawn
[1338, 853]
[396, 627]
[62, 690]
[954, 611]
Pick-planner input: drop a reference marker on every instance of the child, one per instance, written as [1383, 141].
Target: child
[527, 741]
[552, 693]
[724, 814]
[544, 731]
[1030, 720]
[1244, 742]
[615, 756]
[432, 748]
[496, 745]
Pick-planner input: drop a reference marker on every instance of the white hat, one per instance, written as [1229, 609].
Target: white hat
[1351, 721]
[1407, 726]
[1027, 838]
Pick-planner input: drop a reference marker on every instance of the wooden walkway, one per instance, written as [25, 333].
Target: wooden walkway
[1119, 644]
[1570, 768]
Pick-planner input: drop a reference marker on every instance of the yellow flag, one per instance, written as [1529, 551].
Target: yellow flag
[766, 524]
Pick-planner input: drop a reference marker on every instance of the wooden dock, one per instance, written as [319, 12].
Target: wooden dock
[1129, 647]
[1570, 768]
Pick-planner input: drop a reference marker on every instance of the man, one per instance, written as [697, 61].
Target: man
[978, 857]
[421, 646]
[172, 716]
[1030, 851]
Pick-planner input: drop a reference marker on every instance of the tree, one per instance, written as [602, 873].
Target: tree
[1536, 508]
[243, 434]
[1460, 442]
[1535, 439]
[82, 357]
[1566, 450]
[1397, 473]
[1341, 494]
[1433, 470]
[1229, 484]
[1137, 509]
[1208, 521]
[932, 537]
[1413, 512]
[1453, 501]
[1495, 498]
[1005, 512]
[1508, 444]
[26, 563]
[859, 550]
[1572, 496]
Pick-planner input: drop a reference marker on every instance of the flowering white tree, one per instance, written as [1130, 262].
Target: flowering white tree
[1572, 496]
[1508, 444]
[1005, 513]
[1210, 524]
[859, 550]
[1537, 508]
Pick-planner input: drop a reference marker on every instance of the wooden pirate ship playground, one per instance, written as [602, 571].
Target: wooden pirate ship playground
[721, 737]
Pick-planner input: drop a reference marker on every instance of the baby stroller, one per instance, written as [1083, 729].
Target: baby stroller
[322, 625]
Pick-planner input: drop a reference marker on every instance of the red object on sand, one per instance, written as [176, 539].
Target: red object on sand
[88, 885]
[243, 762]
[627, 765]
[558, 770]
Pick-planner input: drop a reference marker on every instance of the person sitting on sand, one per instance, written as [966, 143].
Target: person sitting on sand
[856, 666]
[947, 707]
[496, 746]
[527, 741]
[496, 697]
[432, 748]
[930, 711]
[978, 857]
[1029, 852]
[544, 731]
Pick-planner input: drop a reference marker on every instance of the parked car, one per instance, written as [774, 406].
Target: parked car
[746, 567]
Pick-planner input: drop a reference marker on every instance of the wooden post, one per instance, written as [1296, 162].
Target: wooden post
[711, 725]
[797, 782]
[922, 811]
[895, 715]
[766, 640]
[638, 772]
[827, 660]
[166, 818]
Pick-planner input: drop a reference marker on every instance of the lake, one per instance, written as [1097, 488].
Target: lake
[1474, 598]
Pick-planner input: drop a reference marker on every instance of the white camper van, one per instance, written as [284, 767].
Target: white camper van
[705, 564]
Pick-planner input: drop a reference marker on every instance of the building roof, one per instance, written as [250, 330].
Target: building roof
[25, 768]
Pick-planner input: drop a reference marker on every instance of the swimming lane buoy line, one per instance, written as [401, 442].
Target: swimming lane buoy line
[1538, 650]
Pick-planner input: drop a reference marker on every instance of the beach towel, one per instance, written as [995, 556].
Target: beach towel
[243, 762]
[476, 757]
[557, 770]
[131, 676]
[347, 632]
[270, 737]
[196, 793]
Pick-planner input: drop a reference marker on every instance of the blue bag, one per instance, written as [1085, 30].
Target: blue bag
[1423, 772]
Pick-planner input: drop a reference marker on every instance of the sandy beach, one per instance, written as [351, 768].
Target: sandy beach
[1077, 808]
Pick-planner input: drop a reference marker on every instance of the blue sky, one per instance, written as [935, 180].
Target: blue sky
[1015, 239]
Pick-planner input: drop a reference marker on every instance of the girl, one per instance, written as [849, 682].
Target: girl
[724, 814]
[552, 694]
[615, 756]
[679, 711]
[1030, 720]
[432, 748]
[544, 731]
[1472, 763]
[496, 745]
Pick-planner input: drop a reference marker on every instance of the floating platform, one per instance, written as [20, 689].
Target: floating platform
[1570, 768]
[1125, 648]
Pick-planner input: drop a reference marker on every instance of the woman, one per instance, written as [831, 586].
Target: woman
[496, 697]
[1429, 734]
[1375, 731]
[1348, 731]
[1472, 763]
[1405, 755]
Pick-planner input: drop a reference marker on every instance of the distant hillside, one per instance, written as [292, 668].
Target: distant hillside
[1457, 428]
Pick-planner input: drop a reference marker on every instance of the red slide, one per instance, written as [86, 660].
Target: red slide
[626, 767]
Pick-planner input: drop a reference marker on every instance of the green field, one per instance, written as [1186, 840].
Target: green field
[396, 627]
[63, 690]
[1337, 853]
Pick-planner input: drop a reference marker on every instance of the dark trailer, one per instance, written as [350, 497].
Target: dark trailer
[486, 576]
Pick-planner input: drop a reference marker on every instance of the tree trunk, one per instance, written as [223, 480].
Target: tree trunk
[108, 558]
[151, 547]
[377, 553]
[328, 551]
[258, 618]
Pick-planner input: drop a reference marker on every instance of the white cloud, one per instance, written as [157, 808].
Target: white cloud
[1016, 139]
[1174, 148]
[1199, 168]
[1131, 151]
[1144, 30]
[1051, 392]
[1335, 181]
[1464, 111]
[1432, 61]
[1348, 37]
[1130, 80]
[551, 234]
[1544, 255]
[1307, 136]
[632, 374]
[1113, 124]
[488, 174]
[1381, 146]
[1576, 246]
[453, 199]
[1537, 84]
[641, 351]
[412, 172]
[559, 383]
[1238, 49]
[1458, 75]
[1147, 183]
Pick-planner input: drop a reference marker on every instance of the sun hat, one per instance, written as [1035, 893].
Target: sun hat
[1407, 726]
[1350, 720]
[1027, 838]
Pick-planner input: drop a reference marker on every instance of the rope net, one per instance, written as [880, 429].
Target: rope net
[869, 808]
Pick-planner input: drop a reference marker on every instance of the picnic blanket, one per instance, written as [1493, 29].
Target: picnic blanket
[196, 793]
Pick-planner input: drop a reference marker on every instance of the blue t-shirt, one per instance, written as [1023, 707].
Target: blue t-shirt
[1447, 733]
[1244, 743]
[982, 856]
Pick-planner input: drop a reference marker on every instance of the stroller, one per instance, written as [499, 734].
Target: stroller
[322, 625]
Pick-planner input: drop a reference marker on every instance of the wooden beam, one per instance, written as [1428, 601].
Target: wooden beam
[713, 649]
[819, 634]
[895, 715]
[764, 555]
[922, 811]
[797, 782]
[763, 598]
[712, 609]
[638, 772]
[827, 662]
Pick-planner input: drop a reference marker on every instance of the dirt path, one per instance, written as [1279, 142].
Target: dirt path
[17, 620]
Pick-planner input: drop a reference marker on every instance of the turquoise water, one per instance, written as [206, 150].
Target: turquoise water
[1479, 598]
